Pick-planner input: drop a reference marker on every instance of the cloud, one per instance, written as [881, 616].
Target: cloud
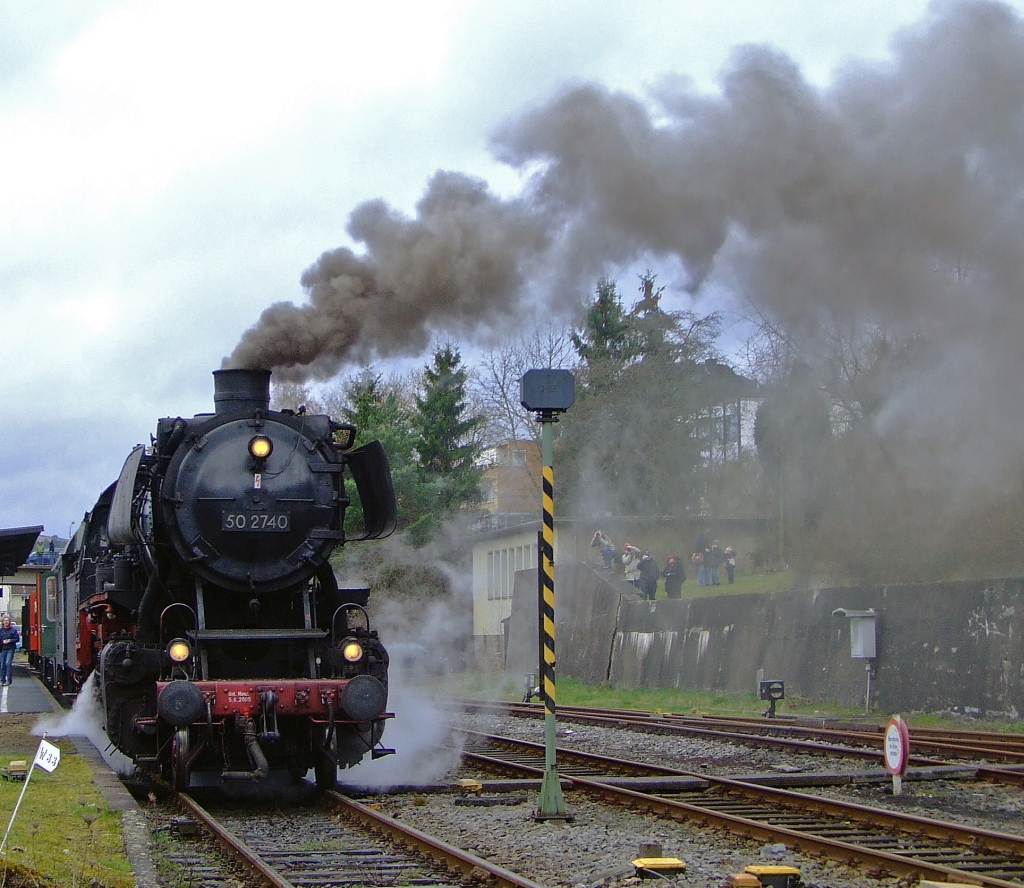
[150, 91]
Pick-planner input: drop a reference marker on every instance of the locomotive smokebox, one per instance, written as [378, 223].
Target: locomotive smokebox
[241, 390]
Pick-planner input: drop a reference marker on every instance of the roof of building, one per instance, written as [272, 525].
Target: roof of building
[15, 545]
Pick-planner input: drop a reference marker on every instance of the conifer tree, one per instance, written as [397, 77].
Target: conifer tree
[379, 412]
[446, 443]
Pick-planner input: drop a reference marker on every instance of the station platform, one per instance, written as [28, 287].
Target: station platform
[26, 693]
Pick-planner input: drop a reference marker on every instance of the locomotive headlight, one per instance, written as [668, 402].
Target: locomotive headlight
[179, 650]
[352, 650]
[260, 447]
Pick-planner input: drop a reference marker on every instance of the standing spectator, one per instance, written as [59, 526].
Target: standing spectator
[603, 542]
[631, 563]
[713, 562]
[608, 553]
[675, 576]
[9, 639]
[700, 557]
[730, 562]
[649, 573]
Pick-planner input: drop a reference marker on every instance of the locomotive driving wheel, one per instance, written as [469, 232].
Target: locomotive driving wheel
[326, 767]
[181, 746]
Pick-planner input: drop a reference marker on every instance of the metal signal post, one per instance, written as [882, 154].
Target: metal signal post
[548, 393]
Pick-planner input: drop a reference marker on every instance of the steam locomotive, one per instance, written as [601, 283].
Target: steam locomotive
[198, 591]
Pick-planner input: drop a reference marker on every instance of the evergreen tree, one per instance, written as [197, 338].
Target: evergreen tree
[629, 444]
[606, 340]
[446, 444]
[379, 412]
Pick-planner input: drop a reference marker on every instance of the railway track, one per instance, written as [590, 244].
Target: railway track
[862, 743]
[882, 841]
[341, 843]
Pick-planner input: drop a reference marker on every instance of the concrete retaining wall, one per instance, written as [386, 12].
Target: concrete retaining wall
[588, 605]
[939, 646]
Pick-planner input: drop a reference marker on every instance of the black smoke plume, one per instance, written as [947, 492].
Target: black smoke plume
[459, 266]
[892, 197]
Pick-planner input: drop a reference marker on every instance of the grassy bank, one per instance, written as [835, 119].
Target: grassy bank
[64, 835]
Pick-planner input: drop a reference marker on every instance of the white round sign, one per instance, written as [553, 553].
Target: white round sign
[897, 745]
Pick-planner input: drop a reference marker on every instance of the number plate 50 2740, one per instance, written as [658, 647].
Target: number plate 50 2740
[279, 522]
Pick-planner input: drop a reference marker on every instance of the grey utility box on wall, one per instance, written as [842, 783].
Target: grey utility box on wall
[862, 631]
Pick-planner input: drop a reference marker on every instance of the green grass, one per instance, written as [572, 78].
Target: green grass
[64, 834]
[746, 584]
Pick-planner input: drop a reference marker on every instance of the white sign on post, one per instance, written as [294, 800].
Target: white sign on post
[896, 750]
[47, 757]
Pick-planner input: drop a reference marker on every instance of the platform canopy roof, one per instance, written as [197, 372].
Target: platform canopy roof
[15, 545]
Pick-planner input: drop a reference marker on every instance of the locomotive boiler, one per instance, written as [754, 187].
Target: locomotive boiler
[222, 644]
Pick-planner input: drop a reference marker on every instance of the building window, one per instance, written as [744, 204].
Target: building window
[502, 565]
[519, 458]
[732, 428]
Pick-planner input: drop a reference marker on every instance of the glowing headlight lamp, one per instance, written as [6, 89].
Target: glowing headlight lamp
[179, 650]
[352, 650]
[260, 447]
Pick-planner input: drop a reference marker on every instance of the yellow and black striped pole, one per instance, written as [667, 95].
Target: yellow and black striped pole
[546, 562]
[552, 803]
[548, 393]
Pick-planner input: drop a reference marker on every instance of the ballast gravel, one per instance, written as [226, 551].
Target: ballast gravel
[597, 847]
[722, 758]
[990, 806]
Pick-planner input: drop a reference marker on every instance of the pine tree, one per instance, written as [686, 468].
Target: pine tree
[379, 412]
[446, 443]
[628, 444]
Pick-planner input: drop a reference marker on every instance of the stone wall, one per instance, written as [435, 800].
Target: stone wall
[939, 646]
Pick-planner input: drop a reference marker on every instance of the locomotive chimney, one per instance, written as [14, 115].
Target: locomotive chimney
[245, 390]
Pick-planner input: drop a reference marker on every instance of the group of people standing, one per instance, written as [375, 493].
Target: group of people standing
[709, 556]
[640, 568]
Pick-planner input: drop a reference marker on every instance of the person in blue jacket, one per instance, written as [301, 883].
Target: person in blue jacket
[9, 639]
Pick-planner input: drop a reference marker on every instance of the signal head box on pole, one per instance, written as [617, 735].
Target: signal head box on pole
[547, 391]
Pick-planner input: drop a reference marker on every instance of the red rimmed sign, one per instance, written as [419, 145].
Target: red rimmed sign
[896, 751]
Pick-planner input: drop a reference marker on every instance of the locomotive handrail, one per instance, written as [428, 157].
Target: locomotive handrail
[163, 613]
[334, 620]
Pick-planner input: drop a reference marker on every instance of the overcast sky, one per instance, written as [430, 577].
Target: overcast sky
[168, 170]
